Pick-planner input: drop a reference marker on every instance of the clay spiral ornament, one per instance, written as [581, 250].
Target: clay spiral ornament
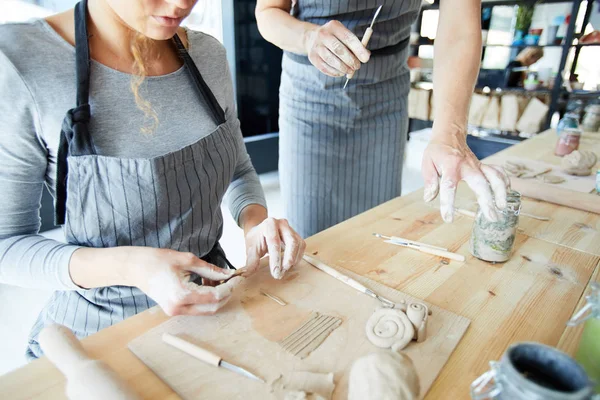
[418, 313]
[389, 328]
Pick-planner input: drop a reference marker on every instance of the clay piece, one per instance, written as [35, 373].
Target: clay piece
[299, 395]
[310, 334]
[315, 384]
[418, 313]
[383, 375]
[553, 179]
[579, 162]
[515, 168]
[390, 328]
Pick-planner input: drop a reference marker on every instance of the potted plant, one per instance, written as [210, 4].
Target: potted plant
[524, 16]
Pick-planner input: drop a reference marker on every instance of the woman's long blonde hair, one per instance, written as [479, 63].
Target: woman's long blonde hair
[141, 52]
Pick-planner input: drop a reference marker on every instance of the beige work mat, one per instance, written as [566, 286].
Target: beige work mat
[247, 331]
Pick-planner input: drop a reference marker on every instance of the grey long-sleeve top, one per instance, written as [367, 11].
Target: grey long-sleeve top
[37, 88]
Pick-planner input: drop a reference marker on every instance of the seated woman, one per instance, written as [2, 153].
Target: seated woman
[130, 122]
[515, 71]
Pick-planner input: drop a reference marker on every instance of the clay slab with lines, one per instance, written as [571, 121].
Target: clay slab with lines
[251, 328]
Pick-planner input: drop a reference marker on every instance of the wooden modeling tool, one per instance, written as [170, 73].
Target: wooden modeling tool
[423, 248]
[399, 239]
[86, 378]
[349, 281]
[206, 356]
[365, 40]
[429, 250]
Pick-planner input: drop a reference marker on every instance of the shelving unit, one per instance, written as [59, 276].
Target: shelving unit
[558, 94]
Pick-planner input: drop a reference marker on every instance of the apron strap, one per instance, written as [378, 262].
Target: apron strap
[74, 136]
[199, 83]
[82, 53]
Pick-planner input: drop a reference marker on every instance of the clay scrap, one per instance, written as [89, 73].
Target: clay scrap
[320, 386]
[579, 162]
[310, 334]
[383, 375]
[393, 328]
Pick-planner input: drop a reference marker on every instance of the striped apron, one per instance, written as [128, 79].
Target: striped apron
[340, 151]
[172, 201]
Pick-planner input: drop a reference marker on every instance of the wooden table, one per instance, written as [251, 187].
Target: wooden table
[528, 298]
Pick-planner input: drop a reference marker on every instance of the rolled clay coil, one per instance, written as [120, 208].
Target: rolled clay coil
[417, 313]
[389, 328]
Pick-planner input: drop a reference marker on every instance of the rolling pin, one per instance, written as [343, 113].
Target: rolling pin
[86, 378]
[540, 191]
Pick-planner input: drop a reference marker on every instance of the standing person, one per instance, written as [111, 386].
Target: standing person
[341, 149]
[141, 211]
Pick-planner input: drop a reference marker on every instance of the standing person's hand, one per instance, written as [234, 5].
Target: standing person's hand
[270, 237]
[334, 49]
[164, 275]
[448, 160]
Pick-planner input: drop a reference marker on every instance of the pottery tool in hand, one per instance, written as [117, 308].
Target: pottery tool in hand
[206, 356]
[428, 249]
[365, 40]
[350, 282]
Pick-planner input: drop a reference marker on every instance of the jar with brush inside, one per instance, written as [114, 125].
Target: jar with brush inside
[494, 241]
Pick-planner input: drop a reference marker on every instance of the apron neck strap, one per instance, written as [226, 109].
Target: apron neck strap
[82, 53]
[199, 83]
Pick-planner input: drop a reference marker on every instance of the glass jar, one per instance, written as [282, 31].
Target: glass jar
[567, 142]
[569, 120]
[588, 353]
[591, 119]
[533, 371]
[494, 241]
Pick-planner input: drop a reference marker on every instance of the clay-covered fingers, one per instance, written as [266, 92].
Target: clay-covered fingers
[324, 67]
[447, 194]
[353, 52]
[205, 270]
[294, 246]
[497, 183]
[480, 185]
[205, 300]
[335, 50]
[503, 173]
[273, 247]
[432, 180]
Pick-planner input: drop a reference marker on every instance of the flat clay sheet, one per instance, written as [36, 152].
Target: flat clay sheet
[247, 331]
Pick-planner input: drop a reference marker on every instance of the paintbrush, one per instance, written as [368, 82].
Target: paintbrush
[402, 240]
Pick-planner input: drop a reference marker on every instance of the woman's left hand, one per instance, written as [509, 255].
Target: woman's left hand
[270, 237]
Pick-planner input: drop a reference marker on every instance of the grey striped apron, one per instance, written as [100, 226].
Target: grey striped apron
[172, 201]
[340, 151]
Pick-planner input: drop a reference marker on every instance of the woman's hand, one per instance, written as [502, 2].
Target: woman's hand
[270, 237]
[448, 157]
[334, 49]
[164, 275]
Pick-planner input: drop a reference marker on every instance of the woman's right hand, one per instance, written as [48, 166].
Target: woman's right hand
[162, 274]
[334, 49]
